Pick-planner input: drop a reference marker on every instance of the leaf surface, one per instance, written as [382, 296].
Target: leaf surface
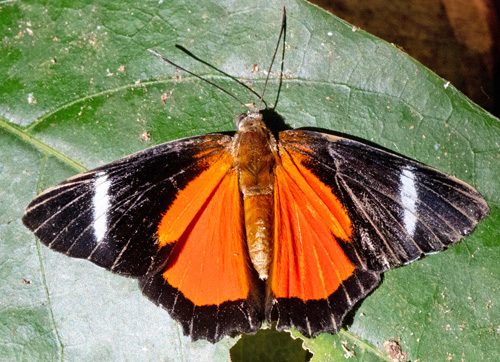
[79, 89]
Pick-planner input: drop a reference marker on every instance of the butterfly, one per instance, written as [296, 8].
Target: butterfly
[226, 232]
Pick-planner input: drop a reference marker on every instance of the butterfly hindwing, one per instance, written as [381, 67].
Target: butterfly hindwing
[208, 284]
[313, 284]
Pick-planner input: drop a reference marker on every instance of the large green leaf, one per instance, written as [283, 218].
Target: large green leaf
[79, 89]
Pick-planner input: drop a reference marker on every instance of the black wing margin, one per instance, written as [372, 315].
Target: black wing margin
[400, 209]
[110, 214]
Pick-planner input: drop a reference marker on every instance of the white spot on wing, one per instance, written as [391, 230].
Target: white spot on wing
[100, 204]
[409, 200]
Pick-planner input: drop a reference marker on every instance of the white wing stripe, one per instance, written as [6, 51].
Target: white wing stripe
[100, 205]
[409, 199]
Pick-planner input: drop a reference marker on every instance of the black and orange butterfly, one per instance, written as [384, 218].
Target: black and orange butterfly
[227, 232]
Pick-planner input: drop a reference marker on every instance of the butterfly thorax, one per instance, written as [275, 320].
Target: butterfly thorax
[254, 150]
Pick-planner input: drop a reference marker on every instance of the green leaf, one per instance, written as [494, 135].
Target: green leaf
[79, 89]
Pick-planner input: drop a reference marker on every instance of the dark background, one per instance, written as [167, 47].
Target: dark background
[457, 39]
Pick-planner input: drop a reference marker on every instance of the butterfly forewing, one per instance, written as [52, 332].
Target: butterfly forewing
[110, 215]
[400, 208]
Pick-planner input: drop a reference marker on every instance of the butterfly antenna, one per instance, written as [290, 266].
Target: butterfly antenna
[218, 70]
[197, 76]
[283, 26]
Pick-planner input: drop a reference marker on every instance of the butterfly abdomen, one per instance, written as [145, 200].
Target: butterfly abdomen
[254, 152]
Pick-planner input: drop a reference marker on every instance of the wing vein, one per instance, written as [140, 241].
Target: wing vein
[421, 202]
[471, 195]
[369, 219]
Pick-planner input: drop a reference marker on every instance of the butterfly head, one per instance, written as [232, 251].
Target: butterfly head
[249, 120]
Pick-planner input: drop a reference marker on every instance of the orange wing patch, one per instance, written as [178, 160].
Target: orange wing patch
[308, 261]
[209, 262]
[191, 199]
